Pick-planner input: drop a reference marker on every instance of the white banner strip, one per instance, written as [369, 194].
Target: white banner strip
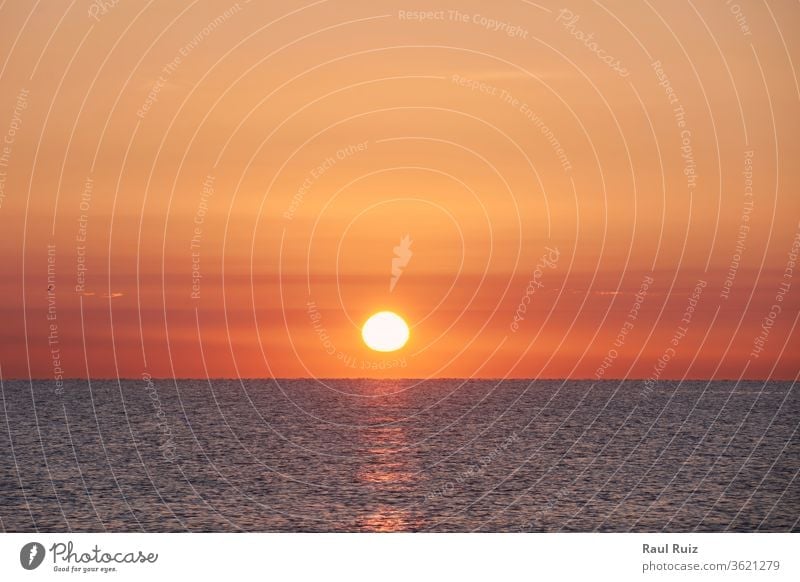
[401, 557]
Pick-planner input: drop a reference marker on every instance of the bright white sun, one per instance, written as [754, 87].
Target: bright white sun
[385, 332]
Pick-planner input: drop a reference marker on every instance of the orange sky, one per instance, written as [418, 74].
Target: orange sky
[282, 152]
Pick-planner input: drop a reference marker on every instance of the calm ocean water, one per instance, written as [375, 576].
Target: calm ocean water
[366, 455]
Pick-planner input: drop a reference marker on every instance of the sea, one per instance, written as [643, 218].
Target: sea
[364, 455]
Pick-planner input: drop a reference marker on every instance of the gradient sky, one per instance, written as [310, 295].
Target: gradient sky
[298, 143]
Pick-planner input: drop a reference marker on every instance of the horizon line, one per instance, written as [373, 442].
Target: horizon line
[485, 378]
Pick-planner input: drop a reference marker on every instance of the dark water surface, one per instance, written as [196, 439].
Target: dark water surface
[367, 455]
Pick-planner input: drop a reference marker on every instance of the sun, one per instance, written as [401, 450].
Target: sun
[385, 331]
